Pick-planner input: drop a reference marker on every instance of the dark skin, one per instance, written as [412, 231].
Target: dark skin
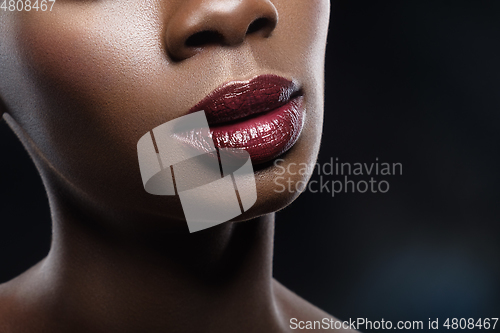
[79, 87]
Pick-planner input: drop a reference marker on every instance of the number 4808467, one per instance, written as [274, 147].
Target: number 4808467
[27, 5]
[471, 323]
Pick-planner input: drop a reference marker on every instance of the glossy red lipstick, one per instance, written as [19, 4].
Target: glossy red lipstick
[264, 116]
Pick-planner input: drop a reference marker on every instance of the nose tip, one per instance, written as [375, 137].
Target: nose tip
[198, 24]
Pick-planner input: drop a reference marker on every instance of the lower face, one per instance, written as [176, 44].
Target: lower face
[86, 81]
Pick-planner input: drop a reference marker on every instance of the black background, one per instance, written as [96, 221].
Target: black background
[411, 82]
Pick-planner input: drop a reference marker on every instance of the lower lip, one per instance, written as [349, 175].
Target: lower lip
[266, 136]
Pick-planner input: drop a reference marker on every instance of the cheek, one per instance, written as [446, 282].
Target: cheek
[98, 72]
[305, 21]
[299, 40]
[92, 54]
[93, 76]
[299, 44]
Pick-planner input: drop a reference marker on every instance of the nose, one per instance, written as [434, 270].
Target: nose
[197, 24]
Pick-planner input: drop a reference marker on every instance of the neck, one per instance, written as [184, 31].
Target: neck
[139, 282]
[115, 280]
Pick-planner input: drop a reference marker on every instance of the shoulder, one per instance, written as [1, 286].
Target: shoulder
[17, 306]
[299, 314]
[7, 308]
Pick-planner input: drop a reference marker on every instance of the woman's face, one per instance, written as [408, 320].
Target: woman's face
[88, 79]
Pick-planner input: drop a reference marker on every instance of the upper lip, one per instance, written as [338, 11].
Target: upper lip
[240, 99]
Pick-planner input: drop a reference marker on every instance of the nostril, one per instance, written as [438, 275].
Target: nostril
[261, 24]
[206, 37]
[206, 25]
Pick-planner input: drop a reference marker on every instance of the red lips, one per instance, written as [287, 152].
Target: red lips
[264, 116]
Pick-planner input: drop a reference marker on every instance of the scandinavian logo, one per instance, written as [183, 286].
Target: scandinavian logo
[214, 185]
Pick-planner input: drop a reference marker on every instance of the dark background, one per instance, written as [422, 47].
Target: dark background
[411, 82]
